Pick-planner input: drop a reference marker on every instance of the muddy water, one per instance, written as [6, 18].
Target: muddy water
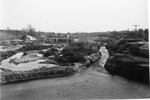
[86, 84]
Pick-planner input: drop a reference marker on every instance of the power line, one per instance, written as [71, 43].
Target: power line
[135, 27]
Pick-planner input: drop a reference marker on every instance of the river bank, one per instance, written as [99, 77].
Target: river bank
[128, 60]
[86, 84]
[10, 74]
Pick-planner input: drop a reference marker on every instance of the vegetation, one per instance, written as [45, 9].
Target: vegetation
[50, 52]
[5, 55]
[75, 52]
[83, 36]
[139, 34]
[29, 47]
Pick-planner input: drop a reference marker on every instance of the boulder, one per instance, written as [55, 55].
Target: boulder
[125, 66]
[92, 58]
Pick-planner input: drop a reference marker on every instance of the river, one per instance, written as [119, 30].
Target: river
[86, 84]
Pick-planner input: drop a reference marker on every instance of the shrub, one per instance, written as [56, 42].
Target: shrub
[75, 52]
[50, 52]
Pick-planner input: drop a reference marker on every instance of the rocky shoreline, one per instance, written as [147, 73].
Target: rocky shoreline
[19, 76]
[127, 64]
[8, 76]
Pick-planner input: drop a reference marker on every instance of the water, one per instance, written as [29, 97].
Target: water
[105, 56]
[23, 66]
[87, 84]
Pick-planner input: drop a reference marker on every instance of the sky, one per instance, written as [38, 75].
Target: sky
[74, 15]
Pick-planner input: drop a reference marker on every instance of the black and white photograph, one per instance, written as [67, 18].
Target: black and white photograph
[74, 49]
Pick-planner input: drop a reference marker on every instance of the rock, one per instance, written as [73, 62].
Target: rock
[93, 57]
[48, 62]
[27, 58]
[127, 67]
[16, 76]
[87, 63]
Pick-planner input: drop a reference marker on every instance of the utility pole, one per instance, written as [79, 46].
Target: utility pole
[128, 33]
[135, 27]
[68, 36]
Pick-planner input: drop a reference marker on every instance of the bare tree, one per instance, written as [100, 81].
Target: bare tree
[31, 30]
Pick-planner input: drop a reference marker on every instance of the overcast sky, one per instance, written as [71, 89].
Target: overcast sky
[74, 15]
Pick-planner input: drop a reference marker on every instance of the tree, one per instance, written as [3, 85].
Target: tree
[23, 37]
[114, 34]
[146, 32]
[31, 30]
[140, 33]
